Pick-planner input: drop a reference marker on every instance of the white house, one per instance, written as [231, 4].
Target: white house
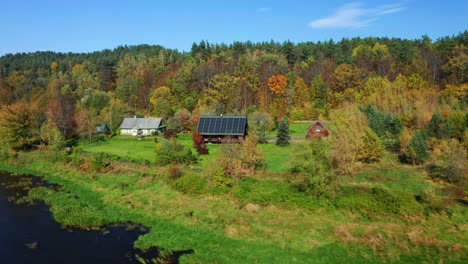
[141, 126]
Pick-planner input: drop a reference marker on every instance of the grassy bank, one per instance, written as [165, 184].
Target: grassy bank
[376, 217]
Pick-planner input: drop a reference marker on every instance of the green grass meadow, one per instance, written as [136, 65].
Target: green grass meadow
[277, 158]
[374, 218]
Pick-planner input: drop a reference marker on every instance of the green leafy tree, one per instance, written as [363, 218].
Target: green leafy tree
[84, 76]
[301, 99]
[457, 65]
[181, 121]
[346, 76]
[345, 81]
[86, 123]
[163, 102]
[249, 81]
[282, 137]
[449, 162]
[457, 124]
[371, 149]
[222, 96]
[260, 123]
[311, 168]
[19, 125]
[347, 135]
[252, 156]
[50, 134]
[114, 113]
[320, 96]
[375, 58]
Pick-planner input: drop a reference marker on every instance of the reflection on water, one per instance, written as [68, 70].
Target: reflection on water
[29, 234]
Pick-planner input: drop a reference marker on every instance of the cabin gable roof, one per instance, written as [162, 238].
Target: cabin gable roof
[318, 121]
[141, 123]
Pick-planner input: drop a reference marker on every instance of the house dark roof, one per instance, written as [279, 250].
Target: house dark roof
[222, 125]
[141, 123]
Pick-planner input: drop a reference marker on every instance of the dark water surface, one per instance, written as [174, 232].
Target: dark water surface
[29, 234]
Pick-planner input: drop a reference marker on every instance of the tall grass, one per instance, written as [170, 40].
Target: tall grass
[262, 219]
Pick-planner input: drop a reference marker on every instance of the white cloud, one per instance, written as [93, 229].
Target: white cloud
[264, 9]
[355, 15]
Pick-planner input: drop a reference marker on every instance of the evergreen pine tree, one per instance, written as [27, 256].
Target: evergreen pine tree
[282, 138]
[435, 128]
[417, 148]
[376, 118]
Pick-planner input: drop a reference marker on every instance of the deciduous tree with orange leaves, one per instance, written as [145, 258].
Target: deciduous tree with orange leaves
[277, 83]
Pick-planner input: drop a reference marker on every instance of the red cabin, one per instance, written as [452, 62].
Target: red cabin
[317, 129]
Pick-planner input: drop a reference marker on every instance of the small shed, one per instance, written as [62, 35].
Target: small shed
[318, 129]
[219, 129]
[103, 129]
[141, 126]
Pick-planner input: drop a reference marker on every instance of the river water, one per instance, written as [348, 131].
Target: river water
[29, 234]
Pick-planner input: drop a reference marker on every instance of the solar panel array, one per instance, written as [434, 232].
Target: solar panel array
[222, 125]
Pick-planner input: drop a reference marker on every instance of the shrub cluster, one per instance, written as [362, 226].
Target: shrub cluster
[172, 152]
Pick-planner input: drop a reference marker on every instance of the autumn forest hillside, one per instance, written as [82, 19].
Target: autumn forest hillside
[401, 85]
[388, 185]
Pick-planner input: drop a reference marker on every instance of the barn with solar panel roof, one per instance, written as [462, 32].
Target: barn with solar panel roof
[219, 129]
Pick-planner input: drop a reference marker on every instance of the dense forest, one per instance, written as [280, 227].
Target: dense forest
[407, 89]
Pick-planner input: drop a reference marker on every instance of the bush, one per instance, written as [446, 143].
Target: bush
[252, 191]
[432, 202]
[220, 183]
[376, 201]
[76, 156]
[172, 152]
[60, 156]
[311, 169]
[252, 156]
[98, 163]
[190, 184]
[199, 143]
[98, 138]
[175, 172]
[4, 152]
[51, 135]
[169, 133]
[449, 163]
[281, 194]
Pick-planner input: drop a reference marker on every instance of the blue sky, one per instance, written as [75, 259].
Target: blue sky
[83, 25]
